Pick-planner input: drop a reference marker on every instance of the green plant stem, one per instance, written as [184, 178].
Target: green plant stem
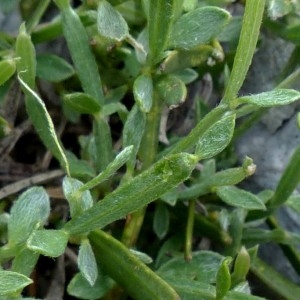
[189, 231]
[147, 153]
[247, 44]
[290, 252]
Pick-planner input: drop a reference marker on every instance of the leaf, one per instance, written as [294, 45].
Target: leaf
[148, 186]
[239, 198]
[43, 124]
[139, 281]
[146, 259]
[87, 263]
[143, 92]
[8, 68]
[31, 210]
[80, 288]
[233, 295]
[272, 98]
[187, 75]
[82, 103]
[116, 164]
[25, 261]
[133, 132]
[294, 203]
[53, 68]
[161, 220]
[160, 20]
[216, 137]
[110, 22]
[11, 282]
[203, 267]
[48, 242]
[223, 282]
[78, 201]
[198, 27]
[241, 267]
[193, 290]
[171, 90]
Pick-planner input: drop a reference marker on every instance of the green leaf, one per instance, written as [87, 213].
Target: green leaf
[87, 262]
[11, 282]
[241, 267]
[143, 92]
[43, 124]
[233, 295]
[139, 281]
[31, 210]
[110, 22]
[203, 267]
[216, 138]
[116, 164]
[239, 198]
[161, 220]
[25, 261]
[79, 287]
[187, 75]
[223, 282]
[8, 68]
[171, 90]
[133, 132]
[53, 68]
[272, 98]
[294, 203]
[48, 242]
[78, 201]
[161, 177]
[198, 27]
[193, 290]
[289, 180]
[161, 17]
[180, 59]
[146, 259]
[82, 103]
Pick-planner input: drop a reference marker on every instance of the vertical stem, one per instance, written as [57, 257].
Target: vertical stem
[189, 231]
[147, 154]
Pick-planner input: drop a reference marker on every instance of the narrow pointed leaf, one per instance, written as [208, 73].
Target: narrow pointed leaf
[223, 278]
[272, 98]
[239, 198]
[139, 281]
[161, 177]
[161, 220]
[11, 282]
[48, 242]
[30, 210]
[198, 27]
[117, 163]
[87, 263]
[110, 22]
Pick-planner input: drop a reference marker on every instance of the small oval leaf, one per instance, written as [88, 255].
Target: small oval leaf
[161, 220]
[143, 92]
[172, 90]
[110, 22]
[216, 137]
[198, 27]
[48, 242]
[82, 103]
[8, 68]
[272, 98]
[239, 198]
[30, 210]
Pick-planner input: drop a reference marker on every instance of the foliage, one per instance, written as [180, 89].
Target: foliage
[133, 61]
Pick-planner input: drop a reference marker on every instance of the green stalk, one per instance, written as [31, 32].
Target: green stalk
[247, 44]
[189, 231]
[147, 153]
